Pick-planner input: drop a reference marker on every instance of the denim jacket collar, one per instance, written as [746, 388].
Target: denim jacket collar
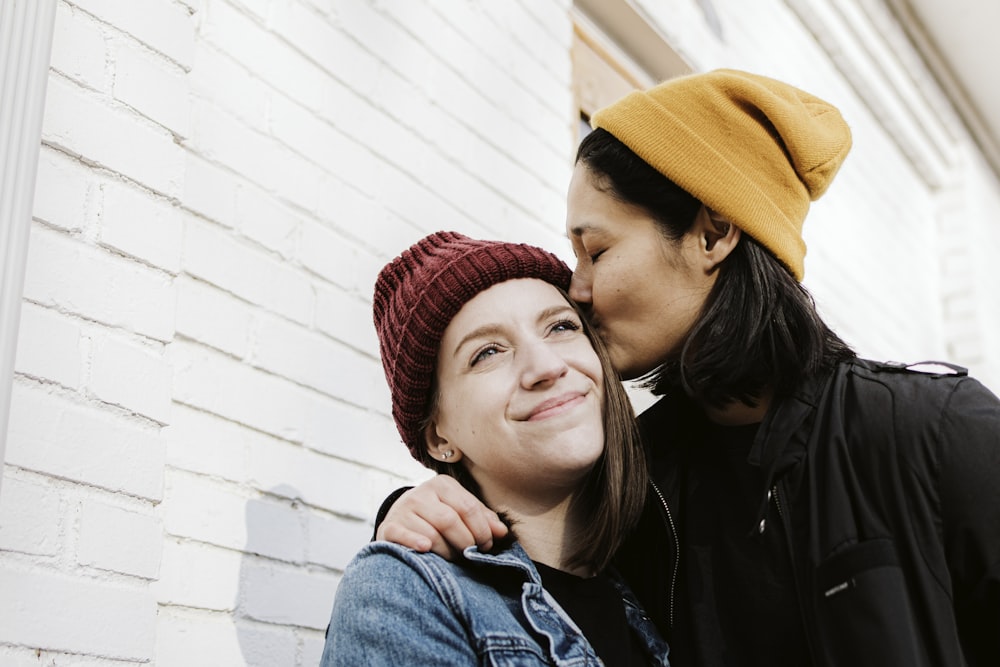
[535, 597]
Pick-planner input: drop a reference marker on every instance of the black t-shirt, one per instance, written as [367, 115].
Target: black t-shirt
[596, 606]
[739, 605]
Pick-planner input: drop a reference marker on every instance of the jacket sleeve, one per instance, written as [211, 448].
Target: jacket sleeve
[386, 505]
[970, 513]
[388, 612]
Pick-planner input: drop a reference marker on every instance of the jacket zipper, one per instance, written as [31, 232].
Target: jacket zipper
[677, 551]
[777, 501]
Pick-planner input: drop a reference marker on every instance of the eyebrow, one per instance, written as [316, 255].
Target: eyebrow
[488, 330]
[480, 332]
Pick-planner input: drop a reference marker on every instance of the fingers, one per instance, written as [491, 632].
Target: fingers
[419, 520]
[441, 516]
[497, 527]
[418, 540]
[463, 520]
[391, 531]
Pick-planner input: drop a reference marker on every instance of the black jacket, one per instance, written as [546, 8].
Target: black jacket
[887, 483]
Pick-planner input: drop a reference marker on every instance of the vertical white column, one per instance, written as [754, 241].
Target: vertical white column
[26, 28]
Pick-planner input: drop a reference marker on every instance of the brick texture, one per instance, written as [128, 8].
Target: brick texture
[200, 431]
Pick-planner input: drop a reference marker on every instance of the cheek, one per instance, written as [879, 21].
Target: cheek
[620, 276]
[449, 413]
[604, 283]
[466, 406]
[585, 360]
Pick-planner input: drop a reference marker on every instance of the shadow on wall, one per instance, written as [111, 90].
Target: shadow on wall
[284, 602]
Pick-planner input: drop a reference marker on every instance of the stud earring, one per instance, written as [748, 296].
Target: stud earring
[447, 455]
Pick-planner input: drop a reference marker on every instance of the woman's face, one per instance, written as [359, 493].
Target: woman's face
[642, 292]
[520, 397]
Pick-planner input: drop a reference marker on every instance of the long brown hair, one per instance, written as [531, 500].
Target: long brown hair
[613, 494]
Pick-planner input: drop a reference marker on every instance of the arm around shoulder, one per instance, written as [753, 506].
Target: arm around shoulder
[388, 612]
[440, 515]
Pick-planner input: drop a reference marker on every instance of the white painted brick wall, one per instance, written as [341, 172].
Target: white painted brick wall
[198, 575]
[186, 637]
[152, 85]
[138, 555]
[286, 595]
[75, 614]
[265, 644]
[214, 317]
[200, 430]
[160, 25]
[30, 518]
[209, 190]
[49, 346]
[131, 374]
[63, 191]
[63, 435]
[215, 256]
[199, 508]
[139, 224]
[79, 47]
[80, 122]
[334, 541]
[93, 283]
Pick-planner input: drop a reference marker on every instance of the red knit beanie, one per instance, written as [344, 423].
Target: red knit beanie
[417, 295]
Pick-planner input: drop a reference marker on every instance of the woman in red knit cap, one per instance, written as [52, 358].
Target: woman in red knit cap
[810, 507]
[498, 383]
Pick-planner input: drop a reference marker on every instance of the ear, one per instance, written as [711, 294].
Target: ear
[438, 445]
[717, 237]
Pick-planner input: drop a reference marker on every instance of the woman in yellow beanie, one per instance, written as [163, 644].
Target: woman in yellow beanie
[809, 507]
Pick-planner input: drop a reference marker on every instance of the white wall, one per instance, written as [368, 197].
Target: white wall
[199, 430]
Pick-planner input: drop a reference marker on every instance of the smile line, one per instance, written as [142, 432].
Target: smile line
[554, 406]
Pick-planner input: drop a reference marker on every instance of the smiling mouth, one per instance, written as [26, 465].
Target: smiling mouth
[555, 406]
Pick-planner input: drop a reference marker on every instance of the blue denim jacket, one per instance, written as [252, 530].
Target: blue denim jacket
[395, 606]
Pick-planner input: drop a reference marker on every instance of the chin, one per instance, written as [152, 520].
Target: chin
[632, 368]
[625, 370]
[628, 375]
[620, 363]
[623, 362]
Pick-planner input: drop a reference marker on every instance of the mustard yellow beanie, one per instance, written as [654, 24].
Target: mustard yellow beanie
[753, 149]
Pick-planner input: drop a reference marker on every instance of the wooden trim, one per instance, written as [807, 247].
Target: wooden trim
[612, 56]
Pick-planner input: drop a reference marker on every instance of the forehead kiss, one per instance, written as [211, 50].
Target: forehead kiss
[519, 383]
[527, 327]
[418, 294]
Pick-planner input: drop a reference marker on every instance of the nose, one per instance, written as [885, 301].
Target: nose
[542, 365]
[580, 285]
